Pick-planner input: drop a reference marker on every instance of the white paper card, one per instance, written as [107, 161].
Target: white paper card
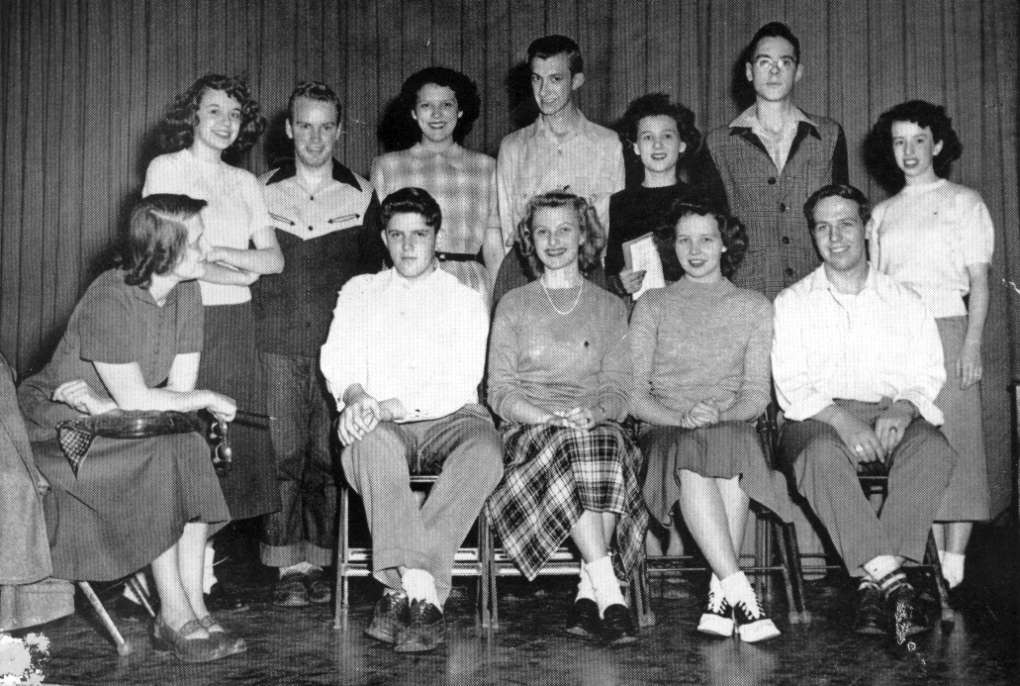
[641, 254]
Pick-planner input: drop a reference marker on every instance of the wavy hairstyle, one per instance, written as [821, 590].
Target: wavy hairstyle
[411, 200]
[837, 190]
[178, 124]
[314, 90]
[732, 232]
[547, 46]
[878, 146]
[587, 221]
[157, 236]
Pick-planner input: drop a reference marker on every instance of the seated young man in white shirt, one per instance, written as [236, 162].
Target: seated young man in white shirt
[404, 359]
[857, 363]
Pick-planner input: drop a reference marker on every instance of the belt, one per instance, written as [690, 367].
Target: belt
[459, 257]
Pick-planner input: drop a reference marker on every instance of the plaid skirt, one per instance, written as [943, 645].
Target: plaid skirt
[551, 475]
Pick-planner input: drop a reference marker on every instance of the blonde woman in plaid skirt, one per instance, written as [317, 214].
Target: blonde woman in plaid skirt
[559, 372]
[433, 113]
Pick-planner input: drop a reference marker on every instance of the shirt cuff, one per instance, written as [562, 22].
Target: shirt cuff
[924, 406]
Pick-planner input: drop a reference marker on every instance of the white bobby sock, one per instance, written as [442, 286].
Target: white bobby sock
[420, 585]
[299, 568]
[208, 575]
[735, 588]
[880, 566]
[604, 582]
[584, 587]
[952, 567]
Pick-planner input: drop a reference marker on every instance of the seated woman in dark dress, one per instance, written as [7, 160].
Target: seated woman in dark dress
[558, 377]
[662, 136]
[700, 351]
[133, 342]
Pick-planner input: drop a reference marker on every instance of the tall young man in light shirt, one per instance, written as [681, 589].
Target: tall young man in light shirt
[560, 151]
[326, 221]
[766, 162]
[857, 363]
[404, 357]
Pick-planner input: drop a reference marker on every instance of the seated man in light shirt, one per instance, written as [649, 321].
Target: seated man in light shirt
[404, 359]
[857, 364]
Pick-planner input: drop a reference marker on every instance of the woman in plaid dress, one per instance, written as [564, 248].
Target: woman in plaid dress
[558, 377]
[433, 113]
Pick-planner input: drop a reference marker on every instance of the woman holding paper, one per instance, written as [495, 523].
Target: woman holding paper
[700, 352]
[662, 134]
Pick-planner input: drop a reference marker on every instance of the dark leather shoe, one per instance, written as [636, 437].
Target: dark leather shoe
[165, 639]
[389, 617]
[909, 611]
[290, 591]
[870, 618]
[583, 619]
[319, 589]
[618, 626]
[425, 630]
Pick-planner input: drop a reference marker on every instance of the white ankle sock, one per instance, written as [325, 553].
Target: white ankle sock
[299, 568]
[735, 588]
[584, 587]
[880, 566]
[715, 586]
[952, 567]
[603, 580]
[208, 575]
[420, 585]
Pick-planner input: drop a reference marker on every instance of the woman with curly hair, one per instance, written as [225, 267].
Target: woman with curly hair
[700, 352]
[134, 342]
[433, 113]
[662, 136]
[217, 117]
[937, 237]
[558, 376]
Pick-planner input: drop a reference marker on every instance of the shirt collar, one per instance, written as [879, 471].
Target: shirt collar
[341, 173]
[581, 127]
[748, 120]
[819, 281]
[396, 281]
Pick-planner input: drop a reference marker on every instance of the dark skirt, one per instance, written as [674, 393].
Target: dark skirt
[129, 502]
[967, 497]
[230, 365]
[551, 475]
[722, 451]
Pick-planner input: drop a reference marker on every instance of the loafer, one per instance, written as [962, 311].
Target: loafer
[290, 591]
[870, 617]
[318, 588]
[425, 630]
[228, 643]
[909, 611]
[618, 626]
[389, 617]
[165, 639]
[583, 619]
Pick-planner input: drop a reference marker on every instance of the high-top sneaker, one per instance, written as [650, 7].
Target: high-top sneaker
[717, 619]
[753, 624]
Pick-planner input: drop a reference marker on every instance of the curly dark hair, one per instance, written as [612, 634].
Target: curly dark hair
[411, 200]
[878, 147]
[732, 232]
[658, 104]
[587, 220]
[157, 236]
[178, 124]
[398, 131]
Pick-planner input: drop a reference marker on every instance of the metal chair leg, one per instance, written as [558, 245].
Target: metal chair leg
[342, 554]
[123, 647]
[796, 573]
[135, 583]
[640, 596]
[484, 569]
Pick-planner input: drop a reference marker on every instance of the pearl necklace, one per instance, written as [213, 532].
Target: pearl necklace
[580, 289]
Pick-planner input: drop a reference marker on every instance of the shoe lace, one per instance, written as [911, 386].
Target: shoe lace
[752, 606]
[716, 602]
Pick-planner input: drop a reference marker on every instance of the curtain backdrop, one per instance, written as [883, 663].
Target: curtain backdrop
[85, 82]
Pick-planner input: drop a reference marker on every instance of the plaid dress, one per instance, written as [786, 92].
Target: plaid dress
[463, 182]
[552, 474]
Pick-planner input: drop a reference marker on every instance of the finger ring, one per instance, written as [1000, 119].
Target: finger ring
[859, 448]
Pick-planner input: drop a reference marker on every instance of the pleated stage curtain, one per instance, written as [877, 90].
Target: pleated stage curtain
[84, 83]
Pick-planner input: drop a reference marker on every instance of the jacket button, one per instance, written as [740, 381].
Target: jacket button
[772, 181]
[786, 240]
[782, 207]
[788, 271]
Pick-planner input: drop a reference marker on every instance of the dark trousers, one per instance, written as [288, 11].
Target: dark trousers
[466, 452]
[825, 471]
[304, 530]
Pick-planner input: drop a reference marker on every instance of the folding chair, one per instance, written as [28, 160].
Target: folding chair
[355, 561]
[768, 528]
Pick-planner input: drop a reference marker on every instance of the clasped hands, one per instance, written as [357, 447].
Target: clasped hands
[873, 444]
[703, 413]
[360, 417]
[582, 418]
